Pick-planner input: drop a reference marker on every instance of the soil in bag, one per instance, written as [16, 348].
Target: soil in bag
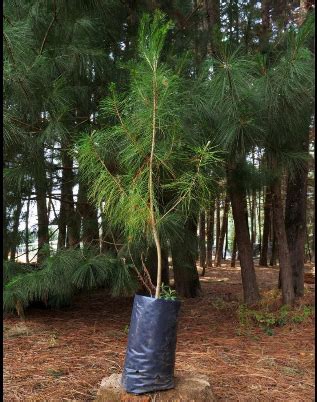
[150, 357]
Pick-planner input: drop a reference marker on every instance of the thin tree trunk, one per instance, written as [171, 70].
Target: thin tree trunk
[5, 240]
[184, 258]
[27, 234]
[226, 245]
[151, 265]
[90, 227]
[202, 240]
[41, 189]
[15, 230]
[273, 259]
[217, 225]
[239, 211]
[253, 217]
[266, 227]
[223, 231]
[286, 274]
[295, 223]
[234, 251]
[64, 207]
[259, 219]
[210, 234]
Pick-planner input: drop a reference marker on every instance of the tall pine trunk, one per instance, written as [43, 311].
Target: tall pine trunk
[223, 231]
[90, 227]
[286, 275]
[295, 223]
[15, 230]
[210, 234]
[239, 211]
[234, 251]
[27, 233]
[202, 240]
[42, 216]
[184, 256]
[266, 227]
[217, 224]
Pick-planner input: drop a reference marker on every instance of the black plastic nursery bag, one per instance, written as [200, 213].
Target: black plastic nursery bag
[150, 357]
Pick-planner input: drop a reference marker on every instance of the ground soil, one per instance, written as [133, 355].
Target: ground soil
[63, 355]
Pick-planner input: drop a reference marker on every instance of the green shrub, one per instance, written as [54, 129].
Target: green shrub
[61, 276]
[268, 320]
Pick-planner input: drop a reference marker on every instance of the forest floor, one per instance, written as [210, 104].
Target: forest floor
[63, 355]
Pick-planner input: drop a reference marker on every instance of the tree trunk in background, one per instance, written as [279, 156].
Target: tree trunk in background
[151, 265]
[210, 25]
[184, 256]
[295, 223]
[42, 217]
[27, 234]
[5, 242]
[202, 240]
[265, 25]
[259, 219]
[223, 231]
[234, 251]
[266, 227]
[253, 217]
[90, 227]
[64, 207]
[239, 211]
[210, 234]
[273, 259]
[226, 245]
[286, 274]
[217, 225]
[15, 230]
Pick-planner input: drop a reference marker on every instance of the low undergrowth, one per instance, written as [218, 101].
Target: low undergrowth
[61, 276]
[268, 315]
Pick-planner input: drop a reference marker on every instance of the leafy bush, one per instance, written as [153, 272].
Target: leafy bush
[268, 320]
[61, 276]
[167, 293]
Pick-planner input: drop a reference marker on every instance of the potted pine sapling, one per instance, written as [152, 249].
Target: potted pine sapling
[144, 171]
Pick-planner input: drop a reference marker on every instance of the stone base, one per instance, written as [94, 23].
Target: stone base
[188, 388]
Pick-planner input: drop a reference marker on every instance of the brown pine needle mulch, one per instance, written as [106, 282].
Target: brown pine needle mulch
[63, 355]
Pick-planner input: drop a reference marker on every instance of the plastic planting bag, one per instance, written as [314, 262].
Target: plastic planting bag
[150, 357]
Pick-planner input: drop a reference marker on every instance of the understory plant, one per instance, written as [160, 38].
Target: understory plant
[60, 276]
[145, 169]
[268, 319]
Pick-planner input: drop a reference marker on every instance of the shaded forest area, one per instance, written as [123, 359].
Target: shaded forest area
[183, 145]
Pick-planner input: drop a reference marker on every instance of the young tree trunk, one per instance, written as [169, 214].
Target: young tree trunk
[234, 251]
[253, 217]
[259, 219]
[295, 223]
[273, 259]
[90, 227]
[202, 240]
[64, 207]
[286, 274]
[210, 234]
[151, 265]
[27, 234]
[184, 256]
[5, 239]
[15, 230]
[223, 231]
[40, 189]
[226, 245]
[266, 227]
[239, 211]
[217, 225]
